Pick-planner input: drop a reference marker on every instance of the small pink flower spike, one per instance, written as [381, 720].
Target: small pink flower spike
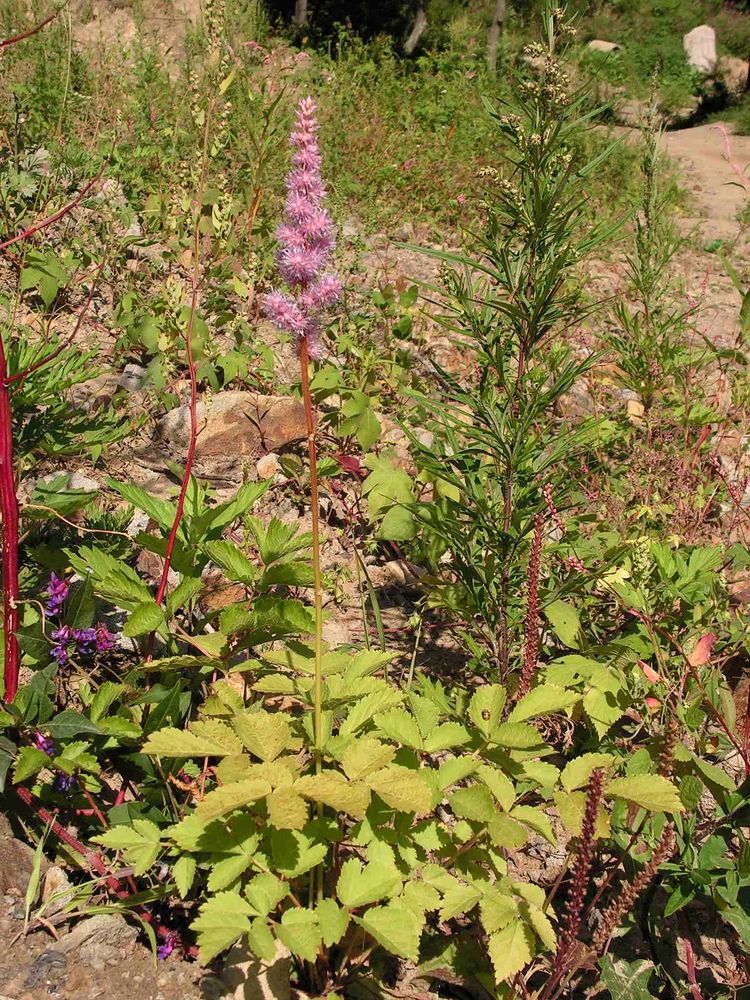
[307, 239]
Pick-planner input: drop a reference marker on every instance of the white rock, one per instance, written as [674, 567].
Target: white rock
[599, 45]
[700, 45]
[268, 466]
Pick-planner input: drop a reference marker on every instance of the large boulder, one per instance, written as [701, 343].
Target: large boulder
[235, 429]
[700, 46]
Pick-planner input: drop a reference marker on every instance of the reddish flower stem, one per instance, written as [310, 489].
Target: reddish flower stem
[92, 860]
[190, 457]
[9, 508]
[531, 654]
[6, 42]
[57, 215]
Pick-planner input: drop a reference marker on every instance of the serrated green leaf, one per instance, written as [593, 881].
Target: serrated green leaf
[499, 784]
[265, 734]
[172, 742]
[294, 853]
[264, 892]
[651, 791]
[360, 885]
[534, 817]
[366, 755]
[333, 789]
[401, 788]
[543, 700]
[400, 727]
[474, 803]
[261, 940]
[486, 708]
[395, 927]
[572, 806]
[541, 924]
[300, 932]
[564, 621]
[286, 809]
[510, 950]
[577, 772]
[332, 920]
[222, 920]
[145, 617]
[367, 708]
[140, 842]
[69, 723]
[235, 564]
[30, 761]
[459, 900]
[183, 872]
[516, 736]
[230, 797]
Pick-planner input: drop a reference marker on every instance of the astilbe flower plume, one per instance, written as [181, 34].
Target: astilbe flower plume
[579, 883]
[629, 894]
[307, 241]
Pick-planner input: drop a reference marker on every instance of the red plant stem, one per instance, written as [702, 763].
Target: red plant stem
[6, 42]
[40, 362]
[695, 990]
[58, 215]
[190, 458]
[91, 859]
[531, 655]
[9, 508]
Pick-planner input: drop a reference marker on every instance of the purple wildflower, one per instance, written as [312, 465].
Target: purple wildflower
[85, 639]
[63, 637]
[57, 591]
[171, 939]
[65, 783]
[104, 638]
[45, 743]
[307, 241]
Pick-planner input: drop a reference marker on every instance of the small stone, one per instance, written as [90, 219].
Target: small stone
[395, 573]
[700, 46]
[635, 411]
[133, 378]
[599, 45]
[268, 466]
[57, 891]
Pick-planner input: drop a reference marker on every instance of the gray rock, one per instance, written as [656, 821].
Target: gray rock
[700, 46]
[99, 941]
[133, 378]
[16, 865]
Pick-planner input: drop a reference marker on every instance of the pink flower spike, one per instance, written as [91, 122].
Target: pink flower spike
[306, 238]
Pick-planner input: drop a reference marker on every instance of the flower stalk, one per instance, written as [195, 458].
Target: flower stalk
[531, 653]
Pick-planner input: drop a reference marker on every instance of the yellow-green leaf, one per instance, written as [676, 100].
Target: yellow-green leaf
[510, 950]
[651, 791]
[228, 797]
[402, 788]
[286, 809]
[334, 790]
